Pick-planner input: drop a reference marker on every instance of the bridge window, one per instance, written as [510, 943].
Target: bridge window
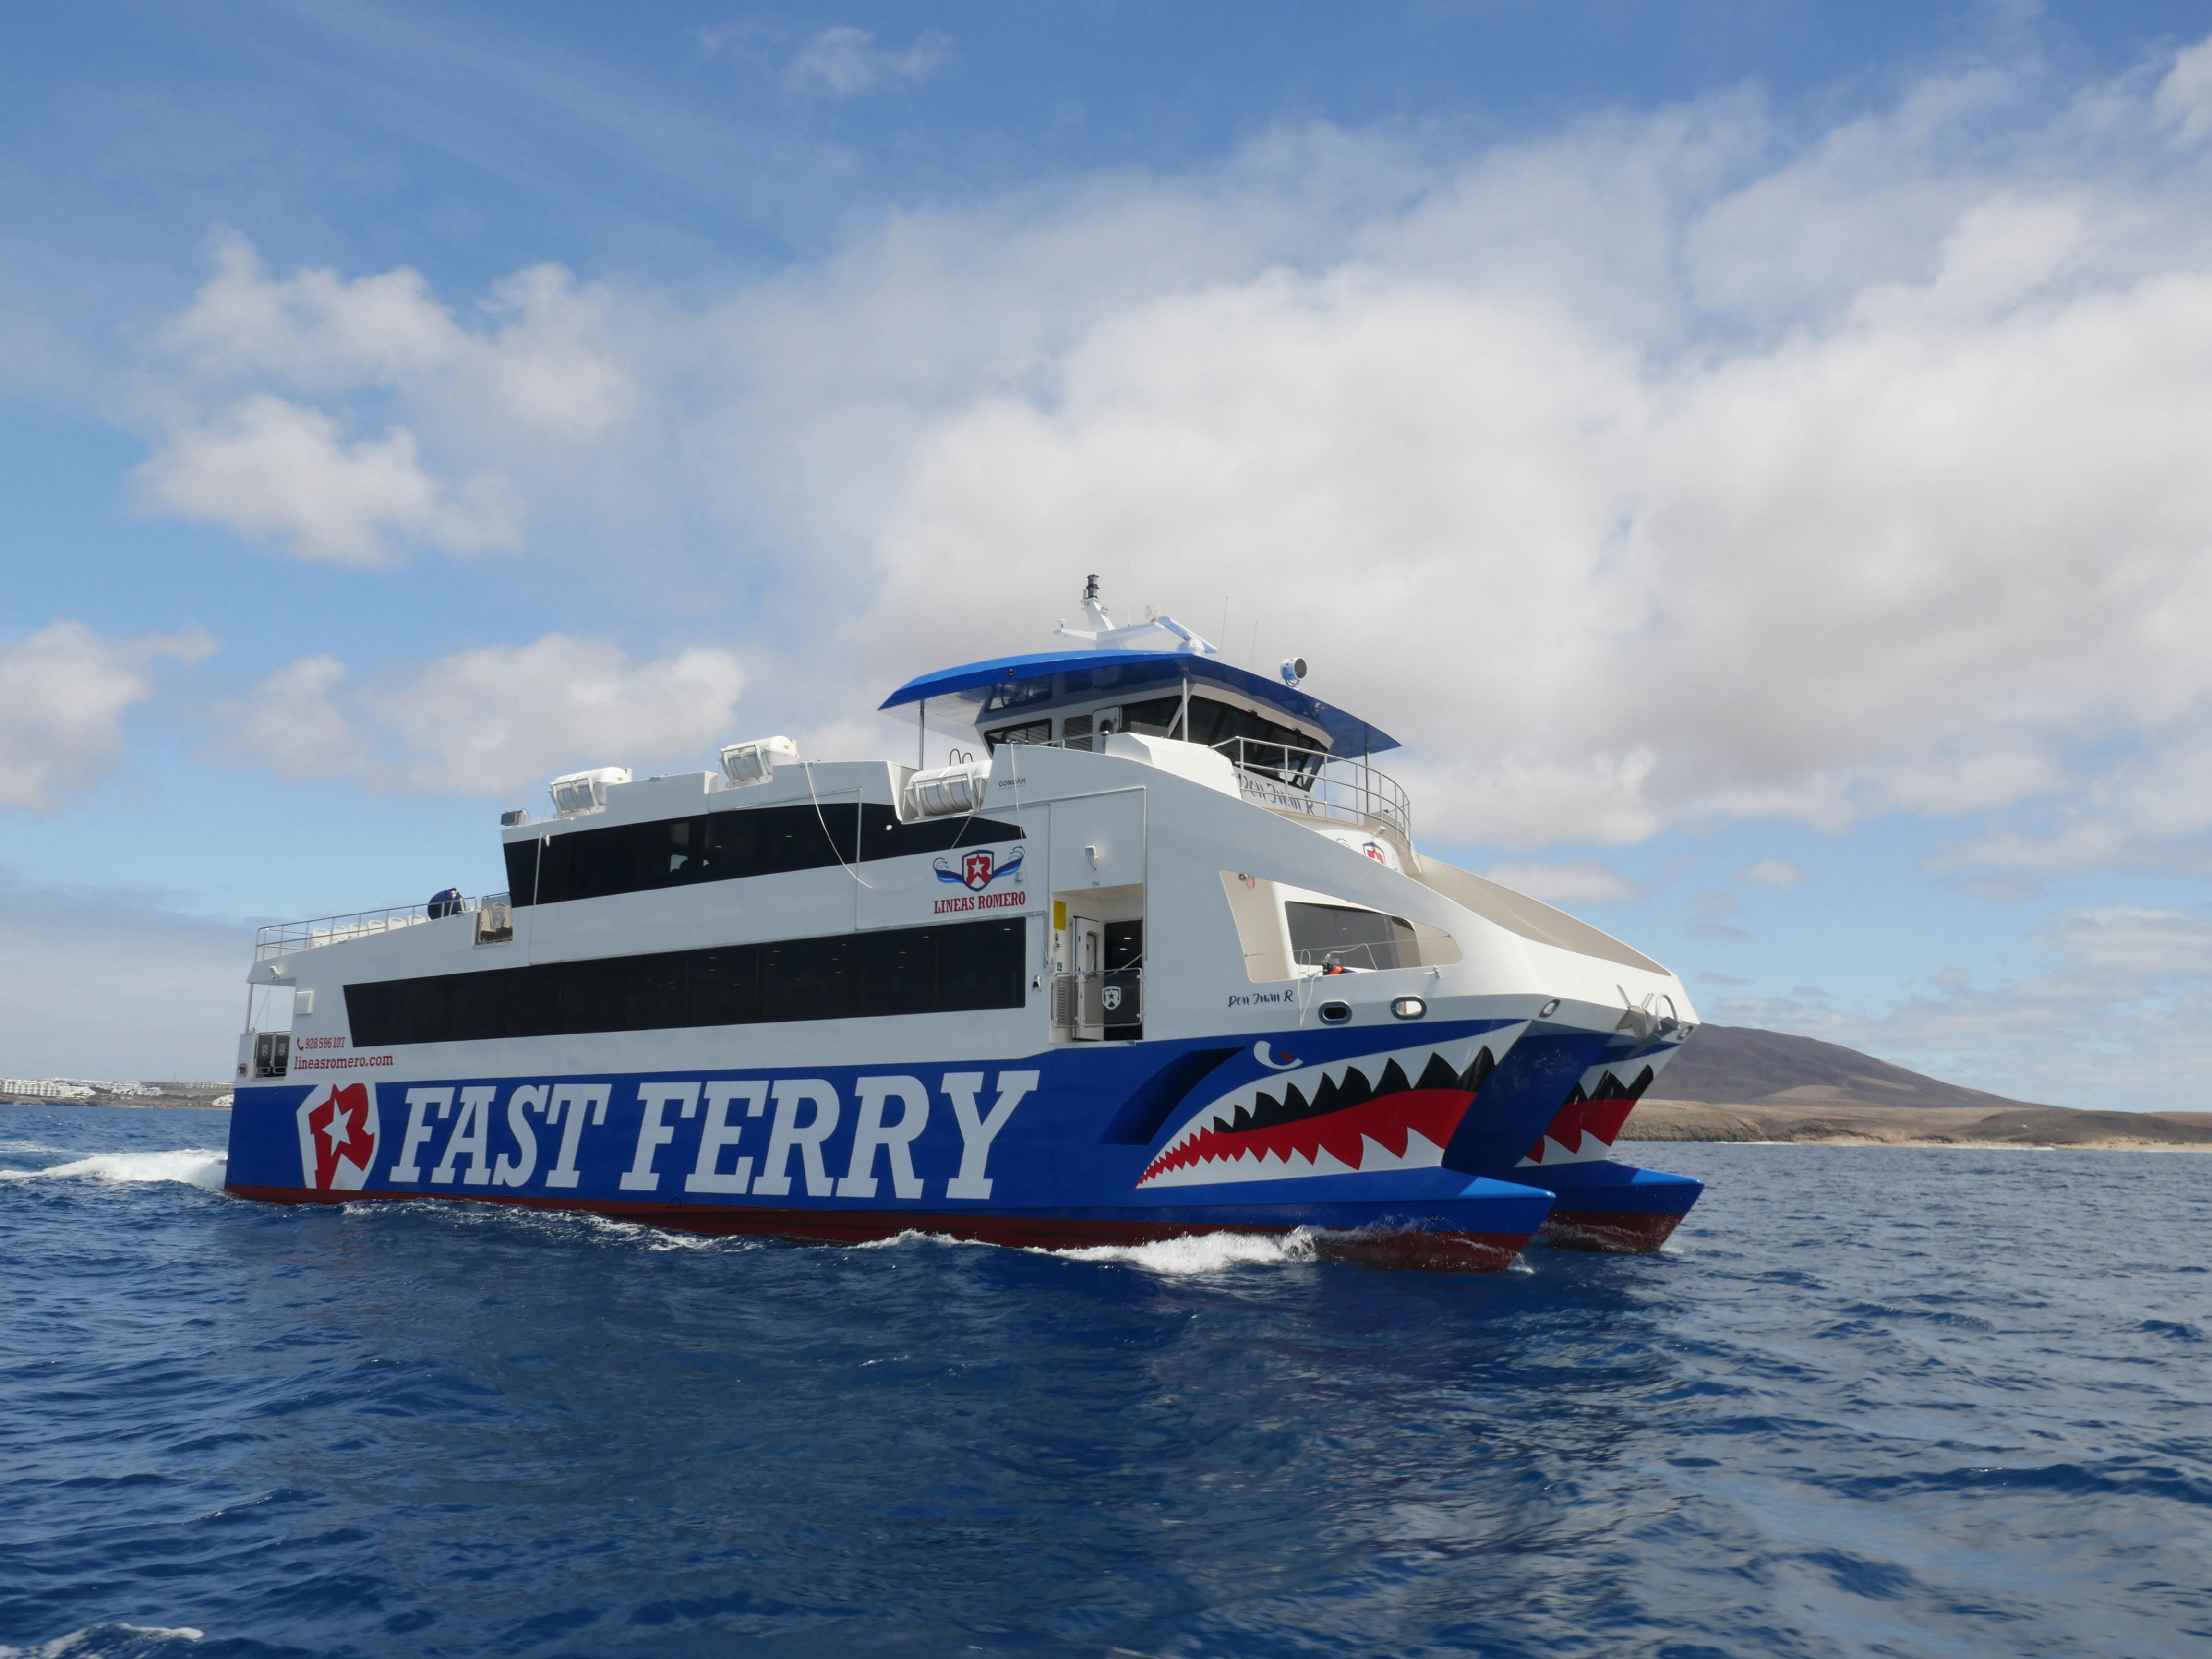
[1282, 751]
[1015, 694]
[1032, 732]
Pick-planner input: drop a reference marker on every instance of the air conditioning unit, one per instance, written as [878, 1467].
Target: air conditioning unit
[756, 761]
[585, 792]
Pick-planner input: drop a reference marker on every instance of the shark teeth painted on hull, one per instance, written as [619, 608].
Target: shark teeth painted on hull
[1357, 1115]
[1591, 1120]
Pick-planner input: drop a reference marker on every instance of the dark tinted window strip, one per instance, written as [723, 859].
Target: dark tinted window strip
[896, 971]
[758, 840]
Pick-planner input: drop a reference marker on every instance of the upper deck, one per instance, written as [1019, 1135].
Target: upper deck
[1289, 752]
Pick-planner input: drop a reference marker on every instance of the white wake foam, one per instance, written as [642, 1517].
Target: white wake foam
[1208, 1252]
[118, 1639]
[192, 1166]
[914, 1237]
[1204, 1253]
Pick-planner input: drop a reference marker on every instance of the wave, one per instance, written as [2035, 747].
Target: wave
[192, 1166]
[108, 1642]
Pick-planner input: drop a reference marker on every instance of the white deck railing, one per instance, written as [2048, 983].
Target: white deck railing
[1308, 783]
[281, 939]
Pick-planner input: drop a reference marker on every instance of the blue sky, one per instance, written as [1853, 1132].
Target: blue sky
[1754, 454]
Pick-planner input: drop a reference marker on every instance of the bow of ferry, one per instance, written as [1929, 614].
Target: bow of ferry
[1155, 954]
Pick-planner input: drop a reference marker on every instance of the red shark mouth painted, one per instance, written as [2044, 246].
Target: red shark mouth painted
[1601, 1115]
[1347, 1127]
[1389, 1121]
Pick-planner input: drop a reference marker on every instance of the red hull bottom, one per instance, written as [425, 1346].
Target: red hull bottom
[1610, 1231]
[1428, 1252]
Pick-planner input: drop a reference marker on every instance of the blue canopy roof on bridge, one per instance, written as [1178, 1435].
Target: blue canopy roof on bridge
[1073, 674]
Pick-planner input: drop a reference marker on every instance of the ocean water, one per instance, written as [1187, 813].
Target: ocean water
[1872, 1401]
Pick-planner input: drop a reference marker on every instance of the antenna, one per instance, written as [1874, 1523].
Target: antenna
[1091, 589]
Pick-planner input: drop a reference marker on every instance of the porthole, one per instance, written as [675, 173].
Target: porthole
[1409, 1007]
[1548, 1009]
[1336, 1013]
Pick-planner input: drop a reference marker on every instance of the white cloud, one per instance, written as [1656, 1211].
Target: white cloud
[2184, 96]
[845, 62]
[1582, 881]
[272, 468]
[2135, 943]
[494, 720]
[1844, 522]
[63, 691]
[290, 724]
[1771, 872]
[263, 378]
[547, 367]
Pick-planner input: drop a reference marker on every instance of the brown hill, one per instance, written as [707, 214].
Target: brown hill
[1741, 1066]
[1736, 1083]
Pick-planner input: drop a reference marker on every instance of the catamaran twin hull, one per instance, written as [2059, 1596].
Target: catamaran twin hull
[1313, 1129]
[1166, 963]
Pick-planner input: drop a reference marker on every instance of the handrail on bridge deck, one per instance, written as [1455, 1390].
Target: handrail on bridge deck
[281, 939]
[1312, 783]
[1309, 783]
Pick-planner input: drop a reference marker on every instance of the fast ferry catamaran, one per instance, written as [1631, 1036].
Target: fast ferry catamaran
[1162, 959]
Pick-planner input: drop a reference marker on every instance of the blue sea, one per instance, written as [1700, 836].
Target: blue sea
[1871, 1400]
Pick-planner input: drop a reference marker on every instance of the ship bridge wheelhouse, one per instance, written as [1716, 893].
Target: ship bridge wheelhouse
[1274, 734]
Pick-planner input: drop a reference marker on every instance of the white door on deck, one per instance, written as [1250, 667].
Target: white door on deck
[1090, 960]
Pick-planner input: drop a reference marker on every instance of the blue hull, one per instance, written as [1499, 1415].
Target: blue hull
[1068, 1146]
[1603, 1206]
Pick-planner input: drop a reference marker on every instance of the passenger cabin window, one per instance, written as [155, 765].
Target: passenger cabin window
[961, 969]
[1345, 936]
[1030, 732]
[758, 841]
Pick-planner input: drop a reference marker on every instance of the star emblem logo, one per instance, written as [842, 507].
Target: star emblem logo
[337, 1136]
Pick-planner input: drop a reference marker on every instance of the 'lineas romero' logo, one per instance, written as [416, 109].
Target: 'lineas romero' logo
[978, 869]
[337, 1136]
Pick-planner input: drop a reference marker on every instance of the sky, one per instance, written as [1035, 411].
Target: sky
[1757, 457]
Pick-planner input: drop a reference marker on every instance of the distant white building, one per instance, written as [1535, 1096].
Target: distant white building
[44, 1088]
